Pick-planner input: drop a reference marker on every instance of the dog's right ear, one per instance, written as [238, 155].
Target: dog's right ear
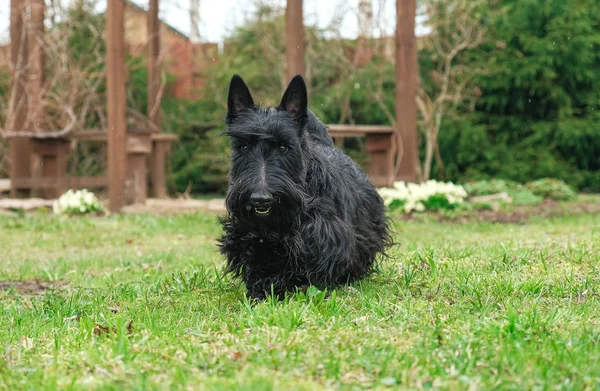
[295, 99]
[239, 98]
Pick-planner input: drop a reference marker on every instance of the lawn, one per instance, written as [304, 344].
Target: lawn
[139, 302]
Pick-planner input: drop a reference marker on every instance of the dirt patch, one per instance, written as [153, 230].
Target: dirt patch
[152, 205]
[26, 204]
[518, 214]
[173, 206]
[30, 288]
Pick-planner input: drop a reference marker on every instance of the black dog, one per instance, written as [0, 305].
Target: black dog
[299, 210]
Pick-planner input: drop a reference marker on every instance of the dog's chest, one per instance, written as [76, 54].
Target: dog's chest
[276, 253]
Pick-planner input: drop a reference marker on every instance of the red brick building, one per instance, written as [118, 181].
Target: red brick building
[179, 55]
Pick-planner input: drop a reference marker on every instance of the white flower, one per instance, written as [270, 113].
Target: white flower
[414, 194]
[81, 201]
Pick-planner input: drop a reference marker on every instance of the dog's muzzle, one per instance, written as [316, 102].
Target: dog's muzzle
[260, 203]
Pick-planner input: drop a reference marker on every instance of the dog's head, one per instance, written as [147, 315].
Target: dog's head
[268, 153]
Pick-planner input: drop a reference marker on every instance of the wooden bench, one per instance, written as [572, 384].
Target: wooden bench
[141, 145]
[381, 146]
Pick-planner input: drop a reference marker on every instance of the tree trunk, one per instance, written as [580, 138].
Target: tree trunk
[429, 147]
[364, 50]
[294, 39]
[195, 21]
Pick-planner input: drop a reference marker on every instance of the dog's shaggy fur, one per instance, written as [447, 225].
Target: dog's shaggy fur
[299, 210]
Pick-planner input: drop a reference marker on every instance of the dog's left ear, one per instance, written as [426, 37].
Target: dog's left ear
[295, 99]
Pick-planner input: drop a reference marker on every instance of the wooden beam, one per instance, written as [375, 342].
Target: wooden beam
[358, 130]
[153, 63]
[89, 182]
[406, 87]
[294, 39]
[115, 99]
[20, 148]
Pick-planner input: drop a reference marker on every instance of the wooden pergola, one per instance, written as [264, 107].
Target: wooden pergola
[393, 151]
[128, 150]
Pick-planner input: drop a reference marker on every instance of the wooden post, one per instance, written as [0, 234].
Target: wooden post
[161, 148]
[139, 146]
[115, 99]
[53, 155]
[406, 87]
[294, 39]
[381, 149]
[20, 147]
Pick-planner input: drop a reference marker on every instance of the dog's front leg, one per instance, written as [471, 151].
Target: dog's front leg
[259, 286]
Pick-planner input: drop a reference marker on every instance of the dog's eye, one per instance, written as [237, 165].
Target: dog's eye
[282, 148]
[245, 148]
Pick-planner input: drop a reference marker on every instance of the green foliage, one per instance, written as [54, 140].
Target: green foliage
[396, 204]
[439, 202]
[494, 186]
[552, 189]
[530, 193]
[201, 158]
[4, 90]
[520, 194]
[539, 111]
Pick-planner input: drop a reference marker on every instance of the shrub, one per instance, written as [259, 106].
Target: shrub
[494, 186]
[552, 189]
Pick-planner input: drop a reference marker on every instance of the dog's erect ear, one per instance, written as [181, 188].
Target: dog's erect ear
[295, 99]
[239, 98]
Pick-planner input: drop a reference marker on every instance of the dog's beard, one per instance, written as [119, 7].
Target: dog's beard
[282, 214]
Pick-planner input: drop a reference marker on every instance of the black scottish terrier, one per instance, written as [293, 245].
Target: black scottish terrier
[299, 210]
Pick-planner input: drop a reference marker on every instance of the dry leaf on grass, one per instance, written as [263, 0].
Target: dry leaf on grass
[234, 356]
[115, 309]
[105, 330]
[27, 343]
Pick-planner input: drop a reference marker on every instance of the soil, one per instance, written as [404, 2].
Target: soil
[518, 214]
[173, 206]
[30, 288]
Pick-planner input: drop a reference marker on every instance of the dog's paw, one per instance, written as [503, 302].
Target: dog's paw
[256, 296]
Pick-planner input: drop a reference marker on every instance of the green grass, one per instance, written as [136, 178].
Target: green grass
[469, 306]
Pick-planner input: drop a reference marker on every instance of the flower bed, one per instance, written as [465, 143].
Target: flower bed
[430, 195]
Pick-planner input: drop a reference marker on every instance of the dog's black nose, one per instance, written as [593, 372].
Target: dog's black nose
[261, 199]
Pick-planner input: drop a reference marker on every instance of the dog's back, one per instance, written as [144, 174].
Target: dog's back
[341, 183]
[317, 129]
